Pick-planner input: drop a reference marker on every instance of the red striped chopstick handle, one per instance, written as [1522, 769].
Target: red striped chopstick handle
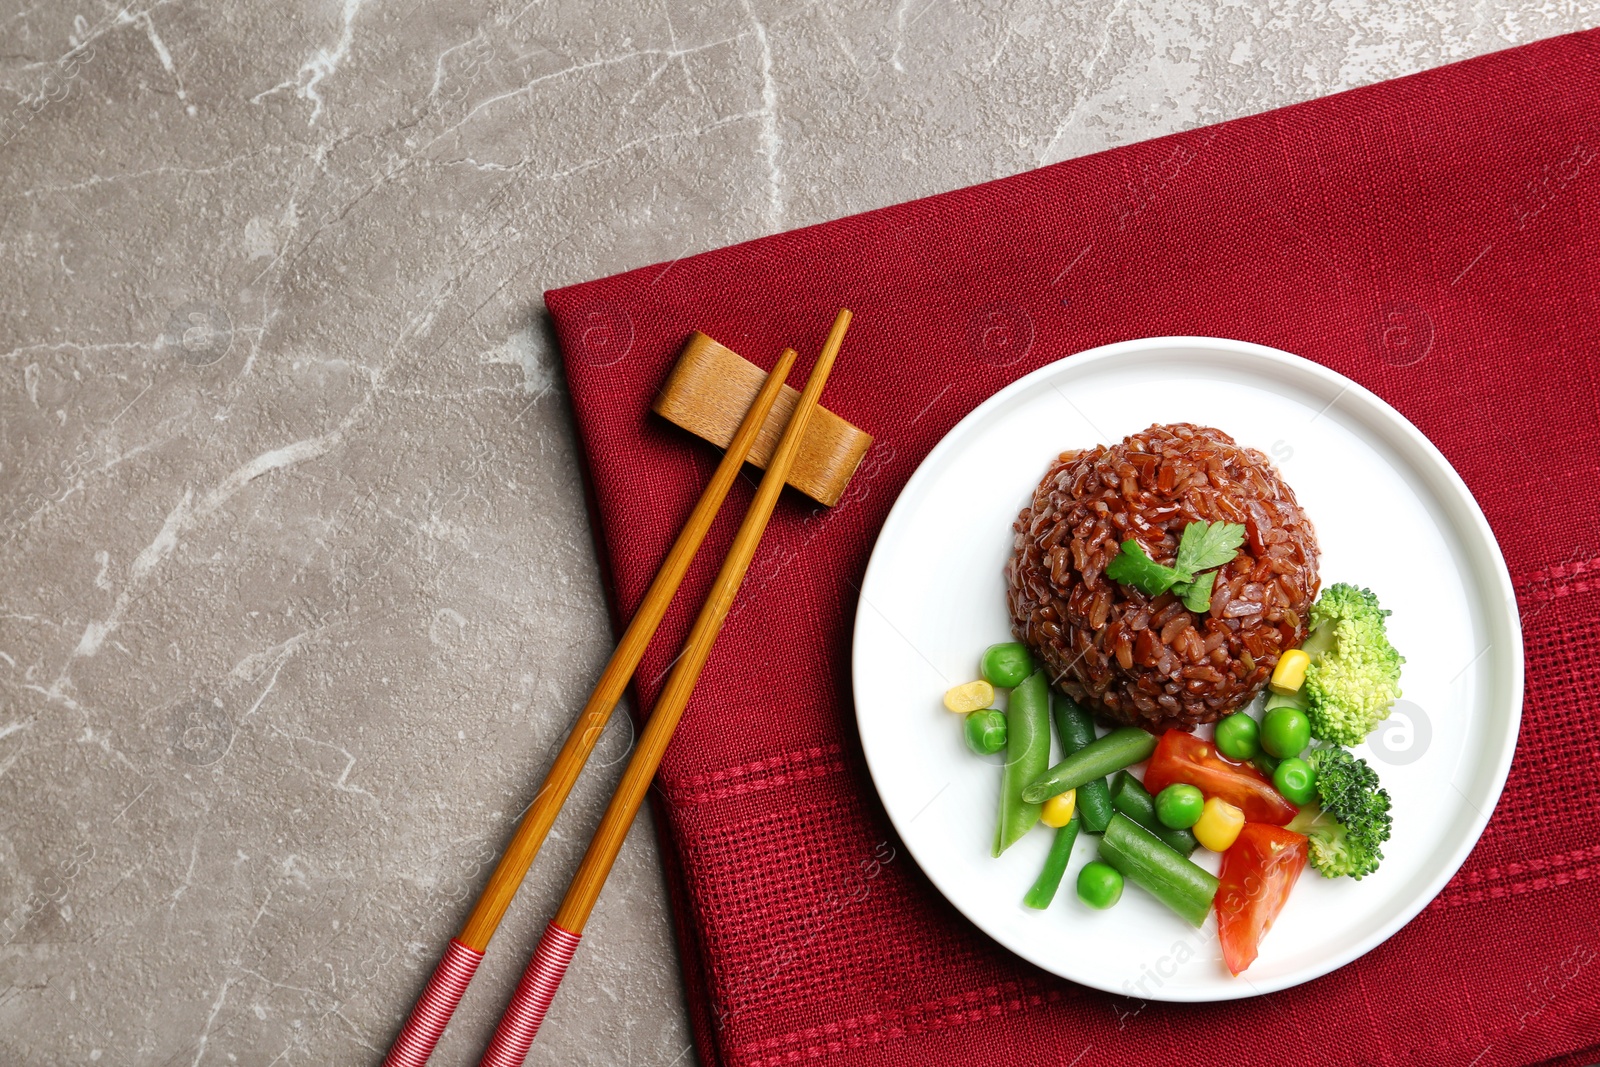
[434, 1008]
[518, 1026]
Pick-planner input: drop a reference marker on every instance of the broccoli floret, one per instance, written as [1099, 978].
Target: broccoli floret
[1354, 676]
[1347, 838]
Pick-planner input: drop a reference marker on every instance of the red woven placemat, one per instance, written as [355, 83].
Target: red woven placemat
[1436, 238]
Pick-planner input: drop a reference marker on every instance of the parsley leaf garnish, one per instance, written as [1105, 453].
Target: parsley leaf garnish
[1208, 544]
[1203, 546]
[1197, 594]
[1133, 566]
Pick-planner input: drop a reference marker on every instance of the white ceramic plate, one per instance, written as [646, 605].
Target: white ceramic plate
[1390, 514]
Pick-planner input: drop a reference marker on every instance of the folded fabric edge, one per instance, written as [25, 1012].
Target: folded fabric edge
[556, 298]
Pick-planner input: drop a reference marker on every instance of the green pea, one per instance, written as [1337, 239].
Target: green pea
[1178, 806]
[1266, 764]
[1007, 665]
[1285, 732]
[986, 731]
[1238, 737]
[1099, 885]
[1296, 780]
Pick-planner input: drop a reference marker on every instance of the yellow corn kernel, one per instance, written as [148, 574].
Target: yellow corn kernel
[973, 696]
[1290, 673]
[1057, 811]
[1219, 825]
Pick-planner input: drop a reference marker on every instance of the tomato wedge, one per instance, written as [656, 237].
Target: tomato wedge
[1257, 874]
[1181, 757]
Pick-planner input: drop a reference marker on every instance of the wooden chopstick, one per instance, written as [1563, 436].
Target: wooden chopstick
[438, 1001]
[518, 1026]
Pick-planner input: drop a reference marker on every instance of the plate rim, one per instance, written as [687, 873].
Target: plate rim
[1479, 536]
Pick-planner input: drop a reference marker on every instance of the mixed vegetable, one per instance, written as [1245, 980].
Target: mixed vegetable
[1351, 672]
[1270, 793]
[1348, 832]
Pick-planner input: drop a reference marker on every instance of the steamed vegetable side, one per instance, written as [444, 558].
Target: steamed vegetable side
[1134, 801]
[1088, 806]
[1180, 806]
[1027, 755]
[1059, 809]
[1271, 794]
[1238, 737]
[1075, 728]
[1219, 825]
[1181, 757]
[986, 731]
[1285, 732]
[1141, 858]
[972, 696]
[1352, 673]
[1253, 886]
[1103, 756]
[1055, 865]
[1296, 780]
[1347, 837]
[1099, 885]
[1007, 665]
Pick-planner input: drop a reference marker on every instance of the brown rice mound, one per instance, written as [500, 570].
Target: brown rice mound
[1149, 661]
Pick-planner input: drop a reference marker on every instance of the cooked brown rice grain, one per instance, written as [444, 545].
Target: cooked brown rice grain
[1149, 661]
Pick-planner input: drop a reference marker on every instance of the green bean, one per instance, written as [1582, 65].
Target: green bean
[1055, 865]
[1142, 859]
[1027, 753]
[1076, 729]
[1116, 750]
[1131, 798]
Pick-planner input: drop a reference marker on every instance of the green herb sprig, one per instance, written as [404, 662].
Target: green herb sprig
[1203, 547]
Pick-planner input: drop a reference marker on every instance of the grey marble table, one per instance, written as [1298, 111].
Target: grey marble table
[297, 592]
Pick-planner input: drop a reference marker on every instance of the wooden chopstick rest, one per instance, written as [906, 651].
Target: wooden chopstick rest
[712, 386]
